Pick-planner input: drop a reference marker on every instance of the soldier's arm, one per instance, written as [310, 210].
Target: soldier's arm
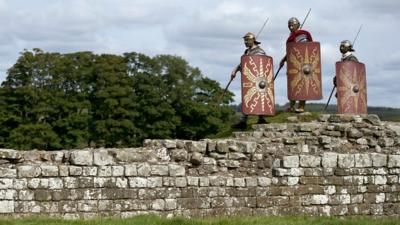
[234, 71]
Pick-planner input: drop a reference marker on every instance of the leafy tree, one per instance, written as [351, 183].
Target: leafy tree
[53, 101]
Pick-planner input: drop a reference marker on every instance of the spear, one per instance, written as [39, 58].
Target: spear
[280, 67]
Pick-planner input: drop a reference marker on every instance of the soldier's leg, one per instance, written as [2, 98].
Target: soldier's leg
[242, 124]
[302, 105]
[291, 106]
[261, 120]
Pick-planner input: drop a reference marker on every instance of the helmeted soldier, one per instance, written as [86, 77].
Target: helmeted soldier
[346, 48]
[351, 82]
[252, 48]
[296, 35]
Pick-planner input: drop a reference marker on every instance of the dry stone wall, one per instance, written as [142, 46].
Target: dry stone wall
[340, 165]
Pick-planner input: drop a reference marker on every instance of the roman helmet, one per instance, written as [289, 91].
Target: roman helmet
[250, 35]
[293, 24]
[346, 46]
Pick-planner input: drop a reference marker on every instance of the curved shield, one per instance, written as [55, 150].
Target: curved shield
[258, 96]
[304, 71]
[351, 87]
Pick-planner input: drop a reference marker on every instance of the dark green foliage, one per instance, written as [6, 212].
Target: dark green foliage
[53, 101]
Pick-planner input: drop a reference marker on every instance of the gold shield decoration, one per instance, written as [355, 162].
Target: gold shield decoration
[304, 71]
[351, 87]
[257, 85]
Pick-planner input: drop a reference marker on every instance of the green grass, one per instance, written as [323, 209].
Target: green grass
[155, 220]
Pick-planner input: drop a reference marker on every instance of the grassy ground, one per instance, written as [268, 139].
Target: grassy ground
[154, 220]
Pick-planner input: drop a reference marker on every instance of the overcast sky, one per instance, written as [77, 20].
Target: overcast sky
[208, 34]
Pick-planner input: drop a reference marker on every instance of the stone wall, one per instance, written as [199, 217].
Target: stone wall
[339, 165]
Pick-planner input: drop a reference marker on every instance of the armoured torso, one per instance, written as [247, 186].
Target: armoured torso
[299, 36]
[349, 56]
[255, 51]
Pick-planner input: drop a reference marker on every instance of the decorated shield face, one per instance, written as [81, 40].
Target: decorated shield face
[351, 87]
[304, 71]
[257, 85]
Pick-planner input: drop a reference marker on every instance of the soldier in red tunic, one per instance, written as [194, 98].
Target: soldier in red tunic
[296, 35]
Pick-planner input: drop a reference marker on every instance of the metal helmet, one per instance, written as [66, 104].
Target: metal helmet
[252, 36]
[293, 24]
[347, 46]
[293, 20]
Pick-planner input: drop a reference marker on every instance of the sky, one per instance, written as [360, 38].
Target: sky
[208, 34]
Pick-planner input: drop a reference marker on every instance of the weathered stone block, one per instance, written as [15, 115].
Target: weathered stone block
[28, 171]
[222, 147]
[204, 181]
[153, 182]
[102, 158]
[104, 171]
[292, 181]
[346, 160]
[196, 158]
[196, 146]
[89, 171]
[246, 146]
[130, 170]
[239, 182]
[176, 170]
[159, 170]
[8, 173]
[117, 171]
[10, 154]
[192, 181]
[363, 160]
[380, 180]
[55, 183]
[75, 171]
[291, 161]
[143, 169]
[81, 157]
[264, 181]
[318, 199]
[137, 182]
[179, 155]
[310, 161]
[354, 133]
[229, 163]
[170, 204]
[329, 160]
[394, 161]
[251, 181]
[6, 206]
[180, 182]
[379, 160]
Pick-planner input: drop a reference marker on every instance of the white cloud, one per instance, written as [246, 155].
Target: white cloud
[209, 34]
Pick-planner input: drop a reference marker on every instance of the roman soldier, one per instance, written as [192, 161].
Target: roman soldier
[296, 35]
[254, 55]
[351, 83]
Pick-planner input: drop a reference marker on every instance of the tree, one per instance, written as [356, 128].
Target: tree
[53, 101]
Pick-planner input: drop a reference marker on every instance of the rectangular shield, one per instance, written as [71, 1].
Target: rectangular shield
[258, 97]
[351, 87]
[304, 71]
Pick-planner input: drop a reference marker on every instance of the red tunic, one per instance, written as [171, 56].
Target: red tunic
[293, 35]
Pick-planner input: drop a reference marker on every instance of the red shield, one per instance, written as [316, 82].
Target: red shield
[351, 87]
[304, 71]
[257, 85]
